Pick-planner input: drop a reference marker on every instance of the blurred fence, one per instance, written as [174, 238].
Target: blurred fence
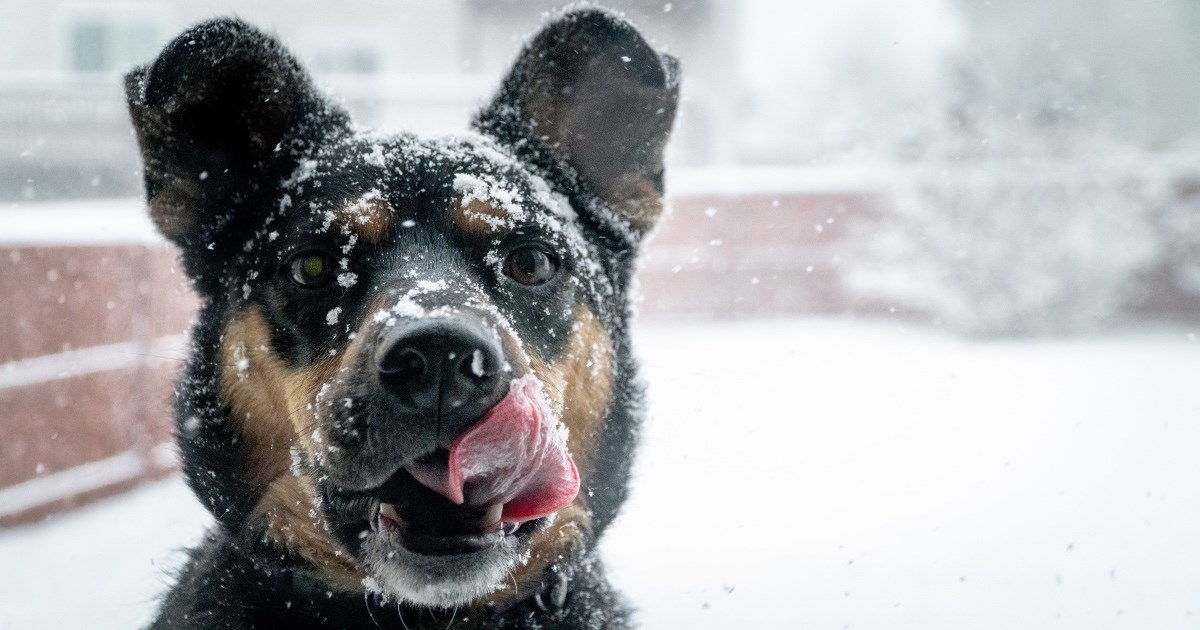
[66, 136]
[69, 136]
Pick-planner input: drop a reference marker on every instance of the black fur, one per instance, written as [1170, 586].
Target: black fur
[244, 157]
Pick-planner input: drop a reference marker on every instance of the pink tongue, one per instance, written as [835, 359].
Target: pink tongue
[514, 455]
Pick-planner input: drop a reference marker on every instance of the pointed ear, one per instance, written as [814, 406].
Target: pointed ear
[590, 92]
[221, 106]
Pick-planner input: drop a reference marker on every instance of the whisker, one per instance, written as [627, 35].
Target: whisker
[400, 613]
[371, 613]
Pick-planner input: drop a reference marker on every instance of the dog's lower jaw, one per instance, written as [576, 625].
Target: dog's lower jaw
[394, 573]
[241, 583]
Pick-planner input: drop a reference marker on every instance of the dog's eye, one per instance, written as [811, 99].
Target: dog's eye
[311, 269]
[530, 265]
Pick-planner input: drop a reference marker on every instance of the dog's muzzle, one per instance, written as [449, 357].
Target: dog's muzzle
[455, 437]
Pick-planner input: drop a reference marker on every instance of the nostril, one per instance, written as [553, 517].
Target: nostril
[404, 363]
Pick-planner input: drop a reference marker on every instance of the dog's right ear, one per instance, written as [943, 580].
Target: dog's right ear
[221, 107]
[593, 94]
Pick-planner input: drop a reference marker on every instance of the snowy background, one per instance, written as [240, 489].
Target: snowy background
[808, 473]
[1048, 175]
[994, 422]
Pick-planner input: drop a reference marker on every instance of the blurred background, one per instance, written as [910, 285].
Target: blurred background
[932, 267]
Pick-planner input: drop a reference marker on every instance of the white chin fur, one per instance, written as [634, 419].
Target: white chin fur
[437, 581]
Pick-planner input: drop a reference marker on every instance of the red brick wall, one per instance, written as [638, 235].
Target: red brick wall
[89, 344]
[732, 256]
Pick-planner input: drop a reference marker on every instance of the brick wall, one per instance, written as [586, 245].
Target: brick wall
[89, 343]
[740, 255]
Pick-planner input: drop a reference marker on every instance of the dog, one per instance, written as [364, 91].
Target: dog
[410, 399]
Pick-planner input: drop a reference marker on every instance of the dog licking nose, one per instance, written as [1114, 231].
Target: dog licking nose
[516, 456]
[498, 444]
[442, 371]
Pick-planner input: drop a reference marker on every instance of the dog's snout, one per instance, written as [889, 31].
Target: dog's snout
[442, 371]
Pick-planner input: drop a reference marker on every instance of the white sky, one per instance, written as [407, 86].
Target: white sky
[807, 36]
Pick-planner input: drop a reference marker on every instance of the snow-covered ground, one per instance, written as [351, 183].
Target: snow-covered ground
[822, 474]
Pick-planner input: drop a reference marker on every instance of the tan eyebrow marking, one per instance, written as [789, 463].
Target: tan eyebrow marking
[477, 217]
[368, 216]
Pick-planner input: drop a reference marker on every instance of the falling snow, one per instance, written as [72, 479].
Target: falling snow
[241, 362]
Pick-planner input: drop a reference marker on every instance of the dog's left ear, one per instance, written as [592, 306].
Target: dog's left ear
[590, 92]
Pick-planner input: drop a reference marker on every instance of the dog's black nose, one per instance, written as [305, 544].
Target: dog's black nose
[445, 371]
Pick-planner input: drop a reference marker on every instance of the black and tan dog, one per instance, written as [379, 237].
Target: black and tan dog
[411, 401]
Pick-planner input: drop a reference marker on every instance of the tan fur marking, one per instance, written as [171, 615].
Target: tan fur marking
[368, 216]
[269, 401]
[252, 378]
[580, 385]
[174, 208]
[641, 207]
[270, 404]
[634, 197]
[287, 515]
[476, 217]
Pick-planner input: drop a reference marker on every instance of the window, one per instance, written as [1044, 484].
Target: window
[111, 43]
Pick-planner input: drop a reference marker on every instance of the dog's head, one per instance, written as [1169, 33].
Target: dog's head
[411, 353]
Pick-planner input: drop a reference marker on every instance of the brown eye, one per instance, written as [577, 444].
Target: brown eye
[530, 265]
[312, 269]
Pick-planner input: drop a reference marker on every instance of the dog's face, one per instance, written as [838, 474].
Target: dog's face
[411, 353]
[419, 310]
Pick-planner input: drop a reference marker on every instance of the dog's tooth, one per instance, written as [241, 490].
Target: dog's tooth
[388, 511]
[492, 516]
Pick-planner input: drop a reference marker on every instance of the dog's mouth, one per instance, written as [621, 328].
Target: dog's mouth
[426, 523]
[497, 480]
